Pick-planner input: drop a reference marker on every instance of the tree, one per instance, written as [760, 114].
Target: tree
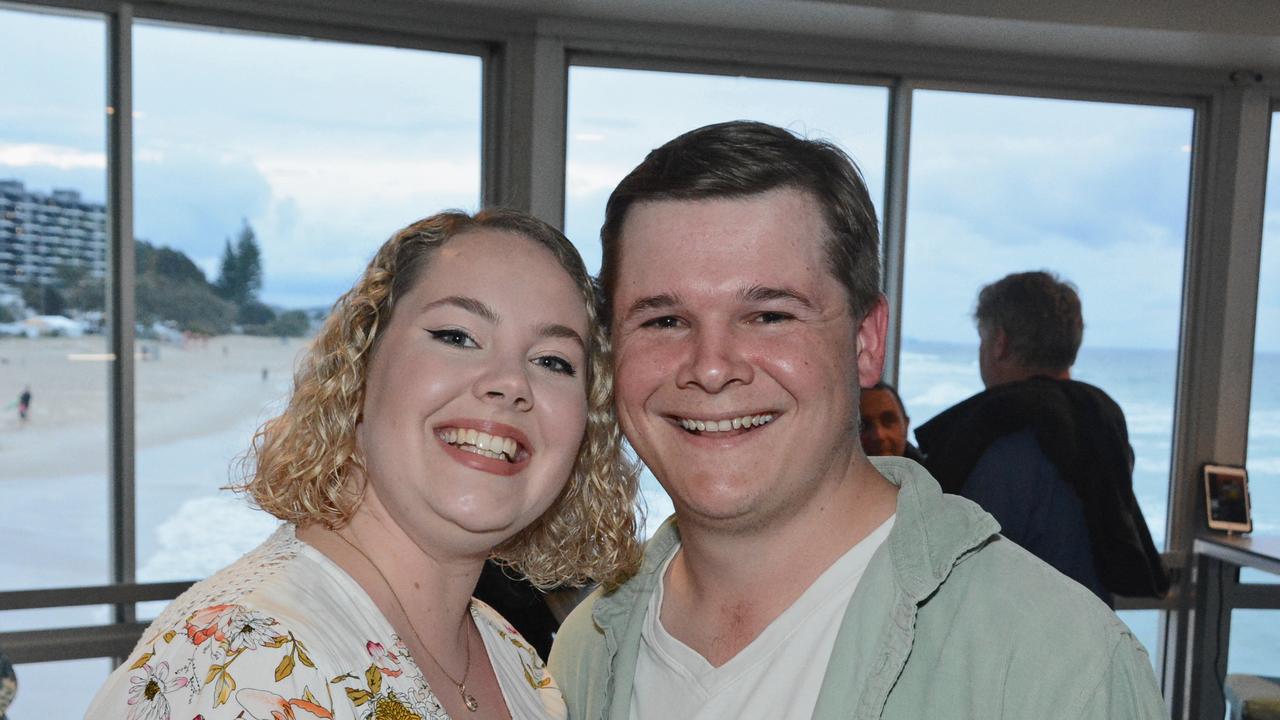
[255, 313]
[175, 265]
[291, 323]
[249, 258]
[191, 306]
[82, 291]
[44, 299]
[228, 283]
[240, 276]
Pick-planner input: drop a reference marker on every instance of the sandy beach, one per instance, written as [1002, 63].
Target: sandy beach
[183, 391]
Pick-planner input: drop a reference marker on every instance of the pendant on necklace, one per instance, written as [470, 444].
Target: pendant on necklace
[468, 699]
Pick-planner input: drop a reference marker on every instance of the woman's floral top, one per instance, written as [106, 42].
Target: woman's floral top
[285, 633]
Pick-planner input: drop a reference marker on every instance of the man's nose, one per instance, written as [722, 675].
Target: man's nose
[715, 361]
[505, 381]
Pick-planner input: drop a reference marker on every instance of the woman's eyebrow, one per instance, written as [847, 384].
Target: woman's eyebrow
[469, 304]
[555, 330]
[476, 307]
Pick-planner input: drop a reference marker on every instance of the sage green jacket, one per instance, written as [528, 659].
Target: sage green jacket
[950, 620]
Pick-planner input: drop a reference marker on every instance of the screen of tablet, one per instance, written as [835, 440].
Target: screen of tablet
[1226, 491]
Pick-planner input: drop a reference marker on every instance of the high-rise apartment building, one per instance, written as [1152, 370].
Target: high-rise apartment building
[41, 232]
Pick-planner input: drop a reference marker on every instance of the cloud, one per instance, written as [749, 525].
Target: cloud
[194, 200]
[24, 155]
[1130, 289]
[1030, 169]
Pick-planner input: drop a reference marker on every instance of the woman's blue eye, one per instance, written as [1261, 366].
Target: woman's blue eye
[450, 336]
[556, 364]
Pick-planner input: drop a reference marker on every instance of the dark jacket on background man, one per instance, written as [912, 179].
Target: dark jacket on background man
[988, 446]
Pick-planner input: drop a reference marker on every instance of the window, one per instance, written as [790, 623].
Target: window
[60, 689]
[52, 279]
[320, 150]
[617, 116]
[268, 170]
[1264, 403]
[1094, 192]
[1255, 633]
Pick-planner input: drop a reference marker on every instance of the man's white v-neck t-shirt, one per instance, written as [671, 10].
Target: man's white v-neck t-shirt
[776, 677]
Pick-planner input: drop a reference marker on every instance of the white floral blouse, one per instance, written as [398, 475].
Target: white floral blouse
[285, 633]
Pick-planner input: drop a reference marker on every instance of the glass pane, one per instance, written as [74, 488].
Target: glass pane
[1264, 404]
[617, 116]
[1094, 192]
[1255, 637]
[1145, 625]
[53, 252]
[268, 171]
[54, 617]
[60, 689]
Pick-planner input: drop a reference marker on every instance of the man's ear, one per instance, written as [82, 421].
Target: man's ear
[1000, 345]
[870, 343]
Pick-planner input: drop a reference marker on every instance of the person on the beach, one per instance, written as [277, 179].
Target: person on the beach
[798, 578]
[455, 405]
[24, 404]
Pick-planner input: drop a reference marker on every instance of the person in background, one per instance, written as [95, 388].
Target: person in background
[24, 404]
[799, 579]
[8, 685]
[456, 405]
[1048, 456]
[520, 603]
[885, 423]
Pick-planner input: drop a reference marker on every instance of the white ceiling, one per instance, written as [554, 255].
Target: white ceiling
[1229, 34]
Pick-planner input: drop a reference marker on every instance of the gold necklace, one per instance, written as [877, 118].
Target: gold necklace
[468, 699]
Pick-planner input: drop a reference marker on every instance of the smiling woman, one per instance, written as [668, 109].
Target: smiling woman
[450, 409]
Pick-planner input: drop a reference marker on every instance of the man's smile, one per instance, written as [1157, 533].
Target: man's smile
[724, 425]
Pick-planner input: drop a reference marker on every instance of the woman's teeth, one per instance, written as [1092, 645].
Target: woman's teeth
[710, 426]
[481, 443]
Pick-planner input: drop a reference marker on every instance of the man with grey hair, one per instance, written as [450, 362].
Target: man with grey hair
[1048, 456]
[799, 578]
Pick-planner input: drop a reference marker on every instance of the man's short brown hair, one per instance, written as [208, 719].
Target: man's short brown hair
[1039, 314]
[742, 158]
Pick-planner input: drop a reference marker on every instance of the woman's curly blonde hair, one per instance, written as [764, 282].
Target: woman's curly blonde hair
[304, 466]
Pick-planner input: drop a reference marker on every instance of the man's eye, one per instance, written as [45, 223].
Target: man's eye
[556, 365]
[773, 317]
[450, 336]
[666, 322]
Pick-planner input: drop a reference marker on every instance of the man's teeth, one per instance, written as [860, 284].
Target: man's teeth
[481, 443]
[710, 426]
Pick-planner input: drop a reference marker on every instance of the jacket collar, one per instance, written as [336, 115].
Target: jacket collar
[932, 531]
[930, 535]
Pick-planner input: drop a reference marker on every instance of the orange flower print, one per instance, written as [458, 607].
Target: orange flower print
[263, 705]
[386, 661]
[203, 624]
[147, 699]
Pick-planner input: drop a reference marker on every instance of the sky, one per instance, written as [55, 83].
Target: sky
[327, 148]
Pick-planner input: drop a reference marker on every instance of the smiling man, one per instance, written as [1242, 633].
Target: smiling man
[885, 423]
[798, 578]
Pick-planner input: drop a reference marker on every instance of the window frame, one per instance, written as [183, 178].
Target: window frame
[524, 128]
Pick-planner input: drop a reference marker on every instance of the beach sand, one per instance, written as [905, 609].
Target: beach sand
[187, 391]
